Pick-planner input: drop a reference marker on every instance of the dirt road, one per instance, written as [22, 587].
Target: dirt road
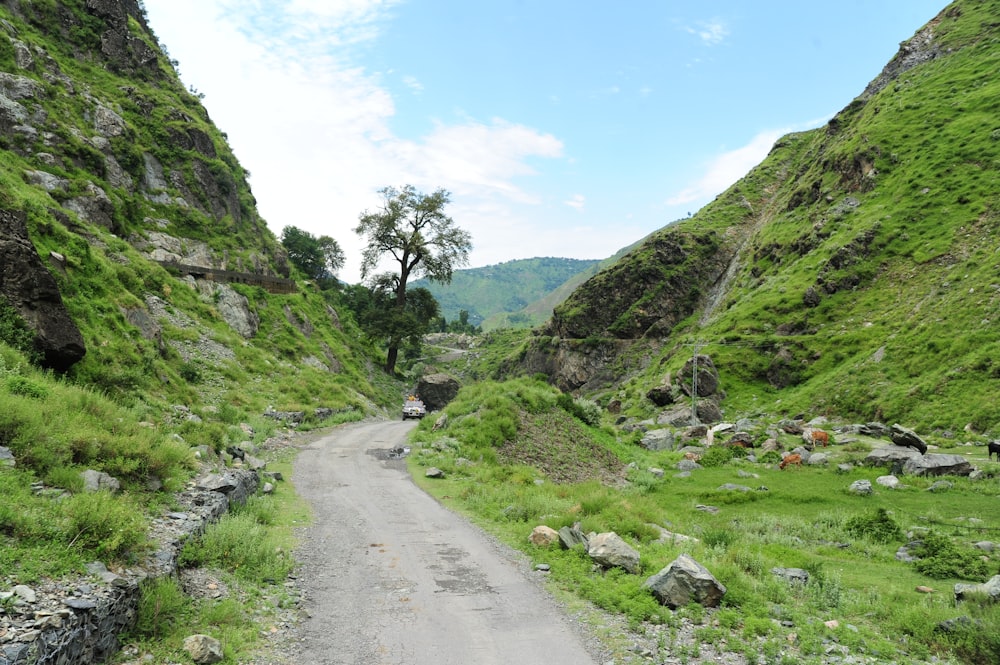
[393, 578]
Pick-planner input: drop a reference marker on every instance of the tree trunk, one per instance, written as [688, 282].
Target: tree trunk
[390, 359]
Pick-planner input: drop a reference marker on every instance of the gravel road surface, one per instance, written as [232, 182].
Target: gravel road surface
[394, 578]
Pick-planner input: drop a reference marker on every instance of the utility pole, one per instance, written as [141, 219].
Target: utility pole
[694, 382]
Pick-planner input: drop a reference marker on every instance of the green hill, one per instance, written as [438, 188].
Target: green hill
[496, 296]
[130, 230]
[852, 272]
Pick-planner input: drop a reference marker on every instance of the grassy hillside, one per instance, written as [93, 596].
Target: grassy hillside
[109, 155]
[850, 273]
[520, 454]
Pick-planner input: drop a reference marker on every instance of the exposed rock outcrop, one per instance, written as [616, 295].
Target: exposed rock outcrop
[30, 288]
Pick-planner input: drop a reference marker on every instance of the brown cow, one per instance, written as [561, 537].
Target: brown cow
[794, 458]
[816, 437]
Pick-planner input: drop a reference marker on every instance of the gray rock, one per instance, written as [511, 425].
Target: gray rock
[887, 455]
[95, 481]
[862, 487]
[902, 436]
[29, 288]
[938, 465]
[658, 439]
[685, 581]
[688, 465]
[792, 575]
[437, 390]
[610, 551]
[990, 589]
[7, 457]
[818, 459]
[892, 482]
[204, 650]
[572, 536]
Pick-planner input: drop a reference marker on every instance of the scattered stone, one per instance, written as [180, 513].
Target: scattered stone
[792, 575]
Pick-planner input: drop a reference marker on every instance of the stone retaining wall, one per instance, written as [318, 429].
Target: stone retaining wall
[78, 621]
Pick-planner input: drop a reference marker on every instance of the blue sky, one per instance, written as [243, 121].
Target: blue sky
[561, 128]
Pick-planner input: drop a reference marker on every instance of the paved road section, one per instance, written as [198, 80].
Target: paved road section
[394, 578]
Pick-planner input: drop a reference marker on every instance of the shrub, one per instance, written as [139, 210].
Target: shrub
[15, 332]
[162, 605]
[240, 543]
[111, 526]
[878, 527]
[22, 385]
[941, 558]
[721, 455]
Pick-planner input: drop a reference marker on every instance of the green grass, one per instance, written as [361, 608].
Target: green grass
[249, 550]
[799, 518]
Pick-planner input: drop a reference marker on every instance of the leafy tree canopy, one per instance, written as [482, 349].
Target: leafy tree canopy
[411, 229]
[317, 258]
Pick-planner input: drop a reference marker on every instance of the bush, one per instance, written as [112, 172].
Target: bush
[162, 605]
[25, 387]
[15, 332]
[721, 455]
[941, 558]
[111, 526]
[240, 543]
[878, 527]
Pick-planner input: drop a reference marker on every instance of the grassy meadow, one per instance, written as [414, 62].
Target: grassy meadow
[509, 476]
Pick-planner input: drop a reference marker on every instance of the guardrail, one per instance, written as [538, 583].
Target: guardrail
[269, 283]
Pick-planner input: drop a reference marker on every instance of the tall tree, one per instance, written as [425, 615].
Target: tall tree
[318, 258]
[411, 229]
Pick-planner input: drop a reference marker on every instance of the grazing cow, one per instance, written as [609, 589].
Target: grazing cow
[994, 449]
[816, 437]
[794, 458]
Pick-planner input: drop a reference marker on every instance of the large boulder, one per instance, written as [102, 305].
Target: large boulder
[31, 290]
[705, 381]
[937, 465]
[907, 437]
[990, 589]
[685, 581]
[889, 455]
[436, 390]
[610, 551]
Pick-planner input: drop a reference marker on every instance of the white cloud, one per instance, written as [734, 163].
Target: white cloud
[413, 84]
[727, 168]
[313, 128]
[710, 32]
[577, 202]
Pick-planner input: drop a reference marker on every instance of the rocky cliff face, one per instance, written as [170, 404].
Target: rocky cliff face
[833, 269]
[100, 137]
[29, 287]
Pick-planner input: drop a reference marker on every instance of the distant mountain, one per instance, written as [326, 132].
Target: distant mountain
[497, 295]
